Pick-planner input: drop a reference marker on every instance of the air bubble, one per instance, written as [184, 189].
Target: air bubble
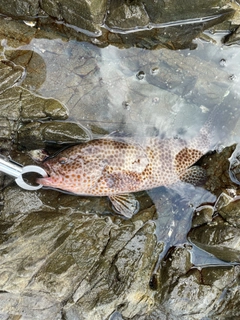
[154, 71]
[232, 77]
[126, 105]
[140, 75]
[155, 100]
[222, 62]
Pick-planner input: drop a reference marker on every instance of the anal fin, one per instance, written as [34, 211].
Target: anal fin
[194, 175]
[125, 204]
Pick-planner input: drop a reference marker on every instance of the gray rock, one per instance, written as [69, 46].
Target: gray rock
[202, 215]
[38, 135]
[9, 75]
[29, 306]
[83, 14]
[220, 237]
[18, 103]
[62, 249]
[25, 8]
[229, 209]
[190, 293]
[19, 106]
[124, 15]
[233, 37]
[148, 24]
[117, 283]
[33, 65]
[133, 15]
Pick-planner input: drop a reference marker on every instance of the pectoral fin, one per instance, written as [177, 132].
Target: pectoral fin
[125, 204]
[194, 175]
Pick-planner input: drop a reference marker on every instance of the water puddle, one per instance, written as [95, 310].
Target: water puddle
[142, 93]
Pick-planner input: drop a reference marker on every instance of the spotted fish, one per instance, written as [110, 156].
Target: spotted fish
[116, 168]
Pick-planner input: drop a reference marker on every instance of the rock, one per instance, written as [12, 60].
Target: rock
[202, 215]
[126, 15]
[25, 8]
[230, 209]
[10, 75]
[190, 293]
[117, 283]
[150, 24]
[38, 135]
[72, 257]
[218, 175]
[234, 166]
[38, 108]
[172, 35]
[6, 130]
[62, 248]
[161, 11]
[233, 37]
[176, 264]
[20, 105]
[29, 306]
[218, 238]
[123, 23]
[220, 235]
[33, 65]
[84, 14]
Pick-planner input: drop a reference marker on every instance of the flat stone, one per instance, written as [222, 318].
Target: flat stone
[9, 75]
[189, 293]
[218, 238]
[37, 135]
[56, 247]
[84, 14]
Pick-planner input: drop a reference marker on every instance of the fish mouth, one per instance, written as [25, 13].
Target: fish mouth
[44, 181]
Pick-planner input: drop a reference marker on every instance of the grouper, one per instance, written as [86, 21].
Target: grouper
[119, 167]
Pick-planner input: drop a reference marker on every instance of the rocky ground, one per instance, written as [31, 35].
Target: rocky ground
[68, 257]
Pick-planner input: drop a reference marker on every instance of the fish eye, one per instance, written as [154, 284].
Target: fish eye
[62, 160]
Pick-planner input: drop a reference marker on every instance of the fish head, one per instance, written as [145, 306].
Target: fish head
[63, 171]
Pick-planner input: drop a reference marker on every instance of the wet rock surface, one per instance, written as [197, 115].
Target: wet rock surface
[145, 24]
[216, 228]
[23, 113]
[184, 286]
[233, 38]
[93, 270]
[218, 233]
[38, 135]
[217, 169]
[68, 257]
